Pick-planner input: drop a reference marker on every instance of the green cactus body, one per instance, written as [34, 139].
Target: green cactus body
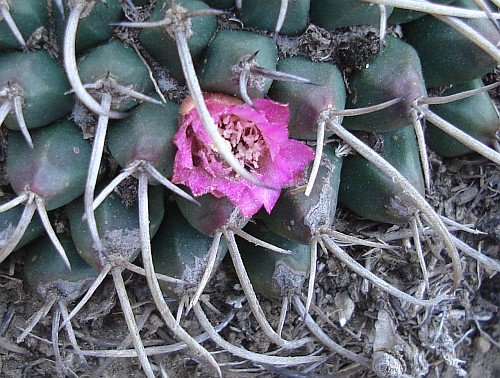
[333, 14]
[139, 3]
[401, 16]
[219, 73]
[101, 64]
[395, 73]
[221, 4]
[372, 195]
[180, 251]
[146, 135]
[162, 46]
[42, 84]
[307, 102]
[94, 28]
[47, 274]
[447, 56]
[263, 14]
[9, 220]
[28, 17]
[117, 224]
[55, 169]
[476, 115]
[212, 213]
[274, 274]
[297, 216]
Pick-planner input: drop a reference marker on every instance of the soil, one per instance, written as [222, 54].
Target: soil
[458, 335]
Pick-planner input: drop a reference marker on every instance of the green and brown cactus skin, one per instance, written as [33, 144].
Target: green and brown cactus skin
[360, 179]
[476, 115]
[439, 45]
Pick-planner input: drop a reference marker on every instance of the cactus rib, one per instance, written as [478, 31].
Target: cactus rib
[5, 14]
[461, 136]
[408, 190]
[252, 298]
[69, 58]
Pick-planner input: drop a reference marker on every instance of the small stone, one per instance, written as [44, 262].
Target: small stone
[483, 345]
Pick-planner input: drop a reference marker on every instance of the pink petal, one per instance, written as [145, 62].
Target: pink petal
[275, 112]
[282, 163]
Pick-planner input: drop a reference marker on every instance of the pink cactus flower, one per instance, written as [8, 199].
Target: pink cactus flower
[258, 138]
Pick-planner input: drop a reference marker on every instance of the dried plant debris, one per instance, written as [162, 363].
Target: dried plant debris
[349, 48]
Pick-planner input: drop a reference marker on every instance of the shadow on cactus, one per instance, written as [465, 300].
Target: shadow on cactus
[50, 278]
[45, 177]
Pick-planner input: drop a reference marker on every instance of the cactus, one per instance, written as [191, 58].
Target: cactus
[49, 277]
[469, 61]
[33, 91]
[230, 154]
[21, 20]
[480, 123]
[283, 17]
[202, 29]
[282, 277]
[360, 179]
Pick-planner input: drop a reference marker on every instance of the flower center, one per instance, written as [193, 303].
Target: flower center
[244, 138]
